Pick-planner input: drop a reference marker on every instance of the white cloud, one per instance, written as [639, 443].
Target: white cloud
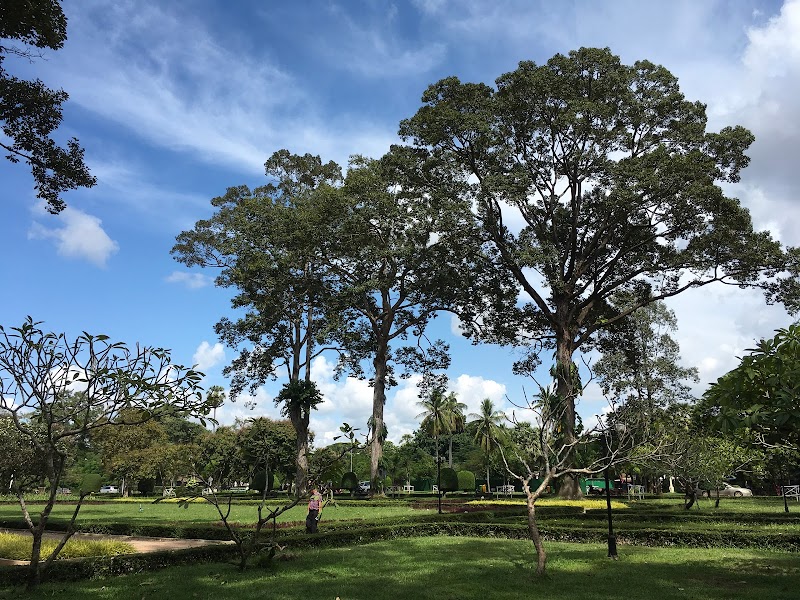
[207, 356]
[191, 280]
[80, 236]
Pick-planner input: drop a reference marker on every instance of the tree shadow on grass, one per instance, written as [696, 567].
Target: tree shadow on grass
[444, 568]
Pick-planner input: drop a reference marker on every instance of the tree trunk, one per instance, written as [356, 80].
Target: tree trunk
[34, 569]
[301, 475]
[566, 392]
[450, 452]
[488, 485]
[378, 403]
[536, 538]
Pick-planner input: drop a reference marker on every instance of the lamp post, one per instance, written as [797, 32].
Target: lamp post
[612, 539]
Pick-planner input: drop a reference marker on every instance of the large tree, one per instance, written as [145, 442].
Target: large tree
[591, 177]
[268, 244]
[400, 250]
[117, 386]
[30, 111]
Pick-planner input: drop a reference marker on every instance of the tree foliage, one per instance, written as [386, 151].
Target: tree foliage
[616, 183]
[761, 394]
[58, 391]
[30, 112]
[640, 362]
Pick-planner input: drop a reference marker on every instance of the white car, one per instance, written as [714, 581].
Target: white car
[109, 489]
[729, 490]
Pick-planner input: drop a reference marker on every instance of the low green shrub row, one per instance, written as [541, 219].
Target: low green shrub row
[641, 537]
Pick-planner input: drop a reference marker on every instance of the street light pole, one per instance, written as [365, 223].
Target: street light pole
[612, 539]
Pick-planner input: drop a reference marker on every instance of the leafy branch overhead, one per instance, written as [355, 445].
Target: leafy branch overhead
[30, 112]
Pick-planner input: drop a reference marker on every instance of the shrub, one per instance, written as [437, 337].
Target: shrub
[349, 481]
[387, 483]
[449, 480]
[466, 481]
[91, 482]
[146, 486]
[261, 480]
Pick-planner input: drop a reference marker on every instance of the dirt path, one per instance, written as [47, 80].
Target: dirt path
[140, 544]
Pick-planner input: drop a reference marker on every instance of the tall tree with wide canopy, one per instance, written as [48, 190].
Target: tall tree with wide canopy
[268, 245]
[30, 111]
[399, 250]
[614, 179]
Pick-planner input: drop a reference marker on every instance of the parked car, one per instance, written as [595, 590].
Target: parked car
[364, 487]
[109, 489]
[730, 490]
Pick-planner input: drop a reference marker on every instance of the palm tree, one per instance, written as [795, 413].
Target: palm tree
[436, 420]
[454, 412]
[489, 431]
[297, 399]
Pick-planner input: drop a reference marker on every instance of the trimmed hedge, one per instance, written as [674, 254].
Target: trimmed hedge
[466, 481]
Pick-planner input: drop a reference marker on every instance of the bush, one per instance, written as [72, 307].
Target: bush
[146, 486]
[448, 480]
[466, 481]
[91, 482]
[349, 481]
[387, 483]
[261, 480]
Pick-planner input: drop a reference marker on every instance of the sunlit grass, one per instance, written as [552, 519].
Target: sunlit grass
[198, 513]
[586, 503]
[18, 547]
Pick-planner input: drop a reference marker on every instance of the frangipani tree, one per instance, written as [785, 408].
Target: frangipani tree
[117, 385]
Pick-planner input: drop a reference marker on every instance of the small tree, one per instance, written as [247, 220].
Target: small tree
[117, 386]
[548, 455]
[466, 481]
[349, 482]
[448, 480]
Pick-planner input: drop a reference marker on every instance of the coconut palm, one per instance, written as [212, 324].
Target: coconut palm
[489, 431]
[454, 412]
[436, 420]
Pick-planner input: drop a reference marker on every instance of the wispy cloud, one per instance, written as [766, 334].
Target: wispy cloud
[193, 281]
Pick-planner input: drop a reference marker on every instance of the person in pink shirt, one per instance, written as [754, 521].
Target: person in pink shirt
[314, 511]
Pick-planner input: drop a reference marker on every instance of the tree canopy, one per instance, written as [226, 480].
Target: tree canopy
[762, 393]
[30, 111]
[615, 181]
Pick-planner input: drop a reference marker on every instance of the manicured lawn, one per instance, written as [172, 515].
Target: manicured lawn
[444, 568]
[197, 513]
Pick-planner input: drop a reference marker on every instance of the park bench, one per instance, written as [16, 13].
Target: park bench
[504, 490]
[792, 491]
[636, 492]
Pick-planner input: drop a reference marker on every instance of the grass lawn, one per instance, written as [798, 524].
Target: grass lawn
[18, 547]
[196, 513]
[444, 568]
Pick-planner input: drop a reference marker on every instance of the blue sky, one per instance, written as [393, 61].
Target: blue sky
[176, 101]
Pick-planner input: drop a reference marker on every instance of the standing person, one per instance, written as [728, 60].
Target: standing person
[314, 509]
